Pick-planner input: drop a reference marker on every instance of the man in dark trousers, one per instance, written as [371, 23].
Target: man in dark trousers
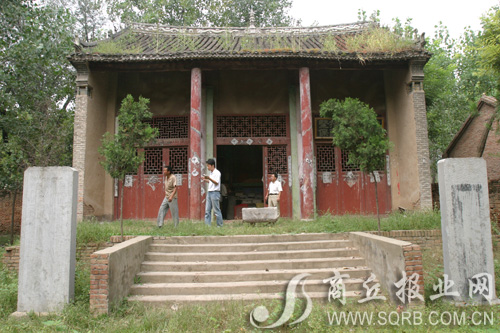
[170, 200]
[213, 194]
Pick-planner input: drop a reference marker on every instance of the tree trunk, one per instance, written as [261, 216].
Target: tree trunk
[376, 201]
[14, 196]
[121, 207]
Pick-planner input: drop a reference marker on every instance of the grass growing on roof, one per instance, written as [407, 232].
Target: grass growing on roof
[125, 44]
[378, 39]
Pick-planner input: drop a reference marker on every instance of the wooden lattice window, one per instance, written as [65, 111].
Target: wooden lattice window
[153, 161]
[179, 160]
[277, 160]
[345, 164]
[171, 127]
[177, 157]
[325, 158]
[233, 127]
[265, 126]
[251, 126]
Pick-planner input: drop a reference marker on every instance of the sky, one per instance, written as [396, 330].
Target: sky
[455, 14]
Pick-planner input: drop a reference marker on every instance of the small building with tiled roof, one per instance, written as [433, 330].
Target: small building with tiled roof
[478, 137]
[250, 97]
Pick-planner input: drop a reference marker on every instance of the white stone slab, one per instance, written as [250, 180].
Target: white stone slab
[265, 214]
[48, 239]
[465, 224]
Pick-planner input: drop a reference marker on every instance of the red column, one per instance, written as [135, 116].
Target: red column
[194, 178]
[307, 177]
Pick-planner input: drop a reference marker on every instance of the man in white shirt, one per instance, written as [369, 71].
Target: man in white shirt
[274, 192]
[213, 194]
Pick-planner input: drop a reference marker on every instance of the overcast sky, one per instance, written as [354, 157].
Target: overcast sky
[455, 14]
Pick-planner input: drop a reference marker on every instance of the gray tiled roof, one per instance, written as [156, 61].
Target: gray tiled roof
[147, 42]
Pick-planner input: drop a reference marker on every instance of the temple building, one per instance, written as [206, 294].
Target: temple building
[249, 97]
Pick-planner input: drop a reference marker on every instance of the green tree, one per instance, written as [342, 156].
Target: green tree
[453, 81]
[200, 12]
[489, 44]
[355, 129]
[120, 150]
[453, 85]
[90, 19]
[267, 13]
[36, 91]
[89, 15]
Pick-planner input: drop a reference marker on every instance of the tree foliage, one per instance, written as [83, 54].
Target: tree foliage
[89, 17]
[489, 44]
[120, 150]
[453, 81]
[36, 90]
[453, 85]
[355, 129]
[36, 85]
[201, 12]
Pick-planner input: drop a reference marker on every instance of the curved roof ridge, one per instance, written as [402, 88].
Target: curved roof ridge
[340, 28]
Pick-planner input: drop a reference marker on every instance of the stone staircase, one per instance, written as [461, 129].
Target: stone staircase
[200, 269]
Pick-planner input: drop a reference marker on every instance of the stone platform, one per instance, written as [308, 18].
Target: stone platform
[260, 215]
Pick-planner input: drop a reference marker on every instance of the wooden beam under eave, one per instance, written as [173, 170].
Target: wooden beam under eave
[241, 64]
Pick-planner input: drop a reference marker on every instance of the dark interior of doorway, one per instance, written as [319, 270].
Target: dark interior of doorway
[241, 169]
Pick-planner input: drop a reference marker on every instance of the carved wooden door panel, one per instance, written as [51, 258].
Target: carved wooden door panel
[277, 159]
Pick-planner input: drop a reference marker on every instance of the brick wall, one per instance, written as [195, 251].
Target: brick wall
[99, 283]
[11, 258]
[6, 211]
[413, 264]
[492, 149]
[424, 171]
[79, 147]
[494, 189]
[426, 239]
[83, 253]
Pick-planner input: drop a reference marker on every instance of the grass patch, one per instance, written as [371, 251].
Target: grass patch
[234, 317]
[8, 290]
[93, 231]
[5, 240]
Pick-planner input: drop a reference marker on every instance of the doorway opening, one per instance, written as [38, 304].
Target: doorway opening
[242, 172]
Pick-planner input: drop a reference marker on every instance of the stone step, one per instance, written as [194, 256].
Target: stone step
[163, 300]
[254, 255]
[253, 275]
[248, 238]
[249, 247]
[241, 287]
[242, 265]
[200, 269]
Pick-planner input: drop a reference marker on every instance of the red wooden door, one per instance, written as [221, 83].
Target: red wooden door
[144, 192]
[352, 186]
[328, 180]
[384, 194]
[343, 189]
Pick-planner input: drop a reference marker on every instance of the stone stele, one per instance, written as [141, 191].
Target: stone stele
[466, 230]
[48, 239]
